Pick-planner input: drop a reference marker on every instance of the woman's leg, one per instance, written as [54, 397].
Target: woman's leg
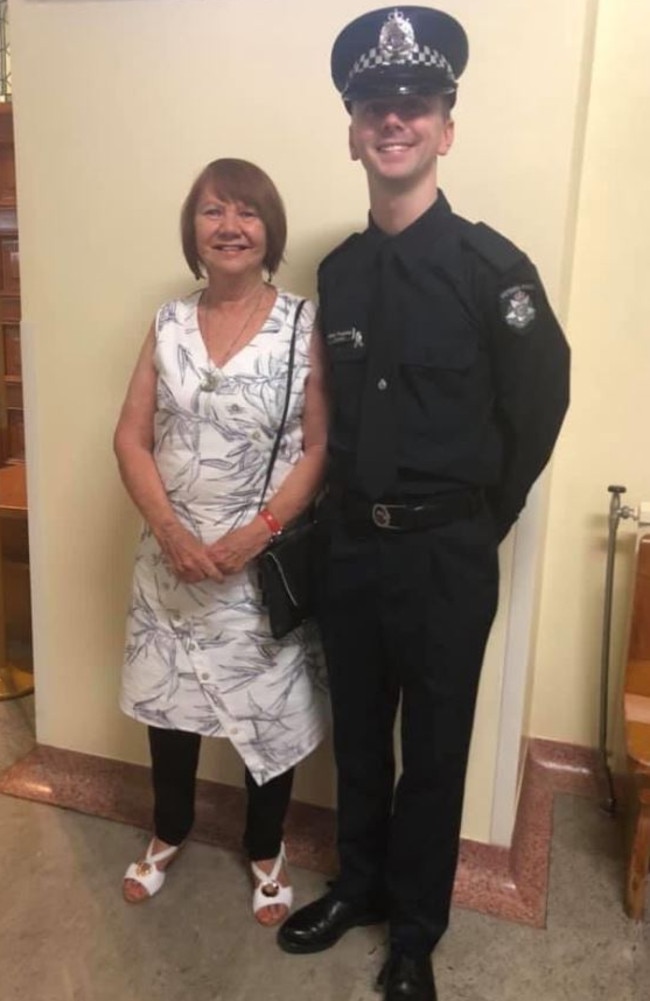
[266, 810]
[174, 760]
[267, 807]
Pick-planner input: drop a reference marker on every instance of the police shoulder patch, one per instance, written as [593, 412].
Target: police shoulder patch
[497, 250]
[517, 305]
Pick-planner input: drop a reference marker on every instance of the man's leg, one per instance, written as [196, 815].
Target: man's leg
[364, 703]
[438, 621]
[364, 700]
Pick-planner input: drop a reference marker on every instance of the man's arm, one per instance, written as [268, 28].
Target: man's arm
[530, 364]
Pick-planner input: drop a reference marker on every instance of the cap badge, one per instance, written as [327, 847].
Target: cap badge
[396, 38]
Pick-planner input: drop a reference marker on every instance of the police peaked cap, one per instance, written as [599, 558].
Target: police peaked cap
[399, 50]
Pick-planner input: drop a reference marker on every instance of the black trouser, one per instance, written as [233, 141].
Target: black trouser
[405, 614]
[174, 760]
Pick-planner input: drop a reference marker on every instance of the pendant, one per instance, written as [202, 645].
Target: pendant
[209, 382]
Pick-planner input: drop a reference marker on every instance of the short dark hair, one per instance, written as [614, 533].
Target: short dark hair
[237, 181]
[446, 102]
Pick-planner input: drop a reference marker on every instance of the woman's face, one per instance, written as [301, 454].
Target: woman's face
[230, 236]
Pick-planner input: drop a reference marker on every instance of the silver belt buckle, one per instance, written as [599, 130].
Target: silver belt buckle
[381, 516]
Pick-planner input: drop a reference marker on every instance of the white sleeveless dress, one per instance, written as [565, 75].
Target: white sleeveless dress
[200, 657]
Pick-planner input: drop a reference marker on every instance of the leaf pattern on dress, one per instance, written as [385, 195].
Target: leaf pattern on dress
[185, 362]
[201, 657]
[166, 314]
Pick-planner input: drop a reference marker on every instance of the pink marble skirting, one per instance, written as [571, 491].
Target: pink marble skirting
[510, 883]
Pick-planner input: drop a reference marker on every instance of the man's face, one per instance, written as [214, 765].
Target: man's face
[398, 139]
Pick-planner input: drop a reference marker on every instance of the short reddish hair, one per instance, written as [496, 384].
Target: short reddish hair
[237, 181]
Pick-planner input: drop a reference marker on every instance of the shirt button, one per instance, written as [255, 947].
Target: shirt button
[192, 646]
[234, 731]
[382, 384]
[205, 676]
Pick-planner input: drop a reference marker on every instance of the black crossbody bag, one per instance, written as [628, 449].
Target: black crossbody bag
[286, 565]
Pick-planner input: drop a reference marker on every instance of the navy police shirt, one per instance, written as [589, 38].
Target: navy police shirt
[468, 357]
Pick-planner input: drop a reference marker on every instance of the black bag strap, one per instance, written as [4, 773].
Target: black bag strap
[283, 421]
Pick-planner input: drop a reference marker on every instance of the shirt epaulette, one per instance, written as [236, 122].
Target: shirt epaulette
[338, 250]
[498, 251]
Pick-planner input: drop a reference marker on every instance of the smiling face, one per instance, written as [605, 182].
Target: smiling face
[230, 236]
[399, 139]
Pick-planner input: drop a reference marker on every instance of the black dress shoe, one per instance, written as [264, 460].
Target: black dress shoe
[406, 978]
[321, 924]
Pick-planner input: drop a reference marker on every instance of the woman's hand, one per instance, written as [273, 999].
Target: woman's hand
[235, 549]
[188, 557]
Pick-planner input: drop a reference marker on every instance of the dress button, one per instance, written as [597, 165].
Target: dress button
[192, 646]
[234, 731]
[382, 384]
[205, 676]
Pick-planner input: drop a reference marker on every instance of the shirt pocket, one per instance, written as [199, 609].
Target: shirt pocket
[454, 348]
[440, 382]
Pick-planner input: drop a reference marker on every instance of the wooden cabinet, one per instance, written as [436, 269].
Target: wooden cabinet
[12, 438]
[15, 613]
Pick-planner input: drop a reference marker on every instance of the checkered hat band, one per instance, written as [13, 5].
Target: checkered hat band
[420, 55]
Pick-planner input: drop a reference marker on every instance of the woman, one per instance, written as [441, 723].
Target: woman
[193, 443]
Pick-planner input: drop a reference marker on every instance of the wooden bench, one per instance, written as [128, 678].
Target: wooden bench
[636, 706]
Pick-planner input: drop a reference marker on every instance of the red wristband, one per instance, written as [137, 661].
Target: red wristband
[271, 521]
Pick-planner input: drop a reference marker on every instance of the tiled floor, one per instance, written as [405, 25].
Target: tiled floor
[66, 935]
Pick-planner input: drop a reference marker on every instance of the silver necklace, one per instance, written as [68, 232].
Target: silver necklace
[212, 377]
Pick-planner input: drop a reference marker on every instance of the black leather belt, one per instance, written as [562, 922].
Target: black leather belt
[412, 517]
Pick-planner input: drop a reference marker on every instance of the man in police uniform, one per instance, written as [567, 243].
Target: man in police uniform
[449, 382]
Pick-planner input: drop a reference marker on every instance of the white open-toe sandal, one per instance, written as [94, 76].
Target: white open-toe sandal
[268, 892]
[147, 873]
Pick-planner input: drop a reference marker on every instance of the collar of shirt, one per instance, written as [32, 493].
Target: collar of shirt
[414, 242]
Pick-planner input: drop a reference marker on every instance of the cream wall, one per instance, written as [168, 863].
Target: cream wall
[118, 104]
[606, 436]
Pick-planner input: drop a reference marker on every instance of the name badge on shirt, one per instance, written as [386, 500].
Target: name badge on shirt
[352, 338]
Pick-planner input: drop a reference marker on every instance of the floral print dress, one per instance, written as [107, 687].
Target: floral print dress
[200, 657]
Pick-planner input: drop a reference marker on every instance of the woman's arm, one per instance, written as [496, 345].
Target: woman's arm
[301, 485]
[133, 444]
[235, 549]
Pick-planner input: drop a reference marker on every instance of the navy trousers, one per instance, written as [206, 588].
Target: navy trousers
[404, 618]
